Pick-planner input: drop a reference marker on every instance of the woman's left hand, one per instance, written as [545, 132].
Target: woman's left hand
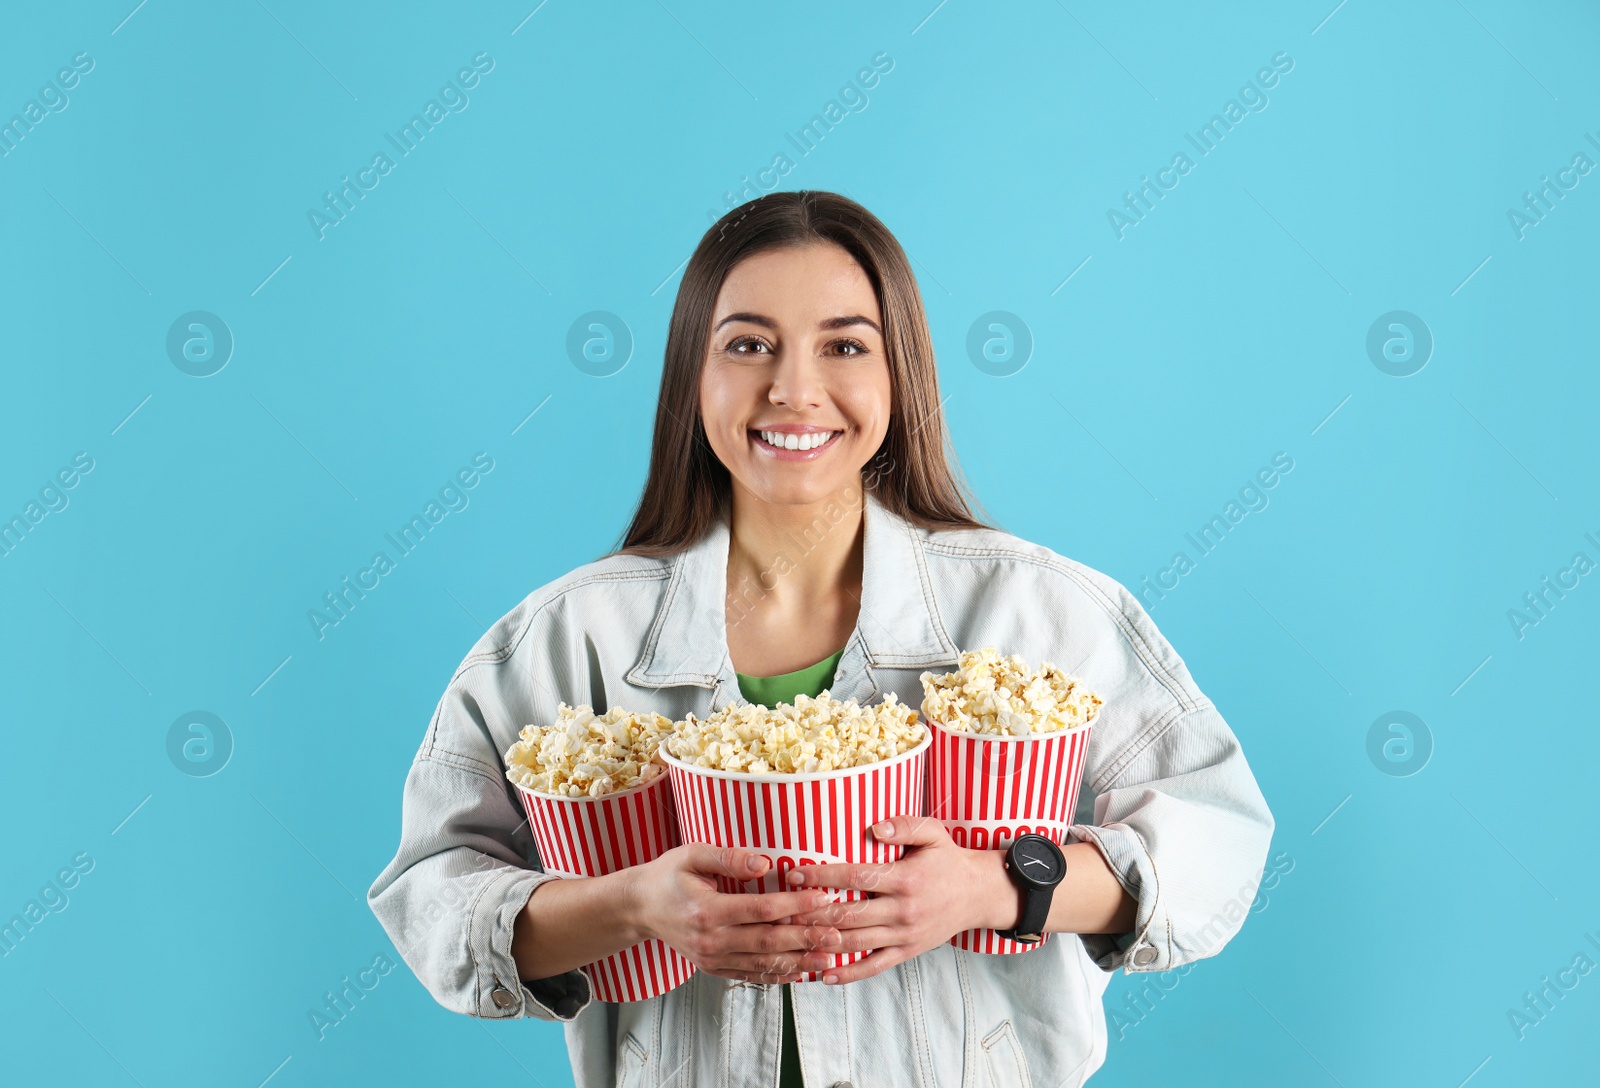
[936, 890]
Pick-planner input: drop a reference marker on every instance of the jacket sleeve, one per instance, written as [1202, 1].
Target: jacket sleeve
[465, 868]
[1177, 812]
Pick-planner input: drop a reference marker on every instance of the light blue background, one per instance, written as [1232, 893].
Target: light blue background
[1225, 327]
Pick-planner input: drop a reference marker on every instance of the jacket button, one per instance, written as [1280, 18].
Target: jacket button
[841, 1084]
[502, 997]
[1144, 955]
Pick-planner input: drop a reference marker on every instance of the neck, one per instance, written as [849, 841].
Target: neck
[797, 553]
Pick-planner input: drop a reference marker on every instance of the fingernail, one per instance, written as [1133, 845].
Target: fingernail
[795, 876]
[884, 828]
[829, 980]
[752, 863]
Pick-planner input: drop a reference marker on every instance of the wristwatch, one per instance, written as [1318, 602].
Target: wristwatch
[1035, 865]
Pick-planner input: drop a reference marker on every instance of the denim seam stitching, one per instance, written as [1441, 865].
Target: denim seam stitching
[1109, 775]
[1089, 1002]
[936, 618]
[727, 1037]
[472, 947]
[459, 760]
[1136, 639]
[1005, 1032]
[930, 599]
[628, 1040]
[849, 1047]
[1092, 834]
[691, 1013]
[926, 1076]
[674, 587]
[674, 583]
[969, 1053]
[776, 1030]
[502, 653]
[1155, 875]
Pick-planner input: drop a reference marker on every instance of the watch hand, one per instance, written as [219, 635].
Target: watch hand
[1033, 861]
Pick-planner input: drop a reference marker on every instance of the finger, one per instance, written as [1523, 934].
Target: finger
[849, 915]
[911, 831]
[842, 874]
[871, 964]
[746, 907]
[729, 861]
[869, 939]
[763, 938]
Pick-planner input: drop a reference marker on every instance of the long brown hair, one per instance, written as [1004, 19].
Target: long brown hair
[912, 473]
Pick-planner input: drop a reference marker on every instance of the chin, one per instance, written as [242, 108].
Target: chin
[804, 492]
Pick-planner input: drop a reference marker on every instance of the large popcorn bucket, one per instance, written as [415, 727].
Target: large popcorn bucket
[593, 836]
[800, 819]
[989, 789]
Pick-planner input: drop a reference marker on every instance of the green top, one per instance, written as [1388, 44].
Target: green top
[768, 690]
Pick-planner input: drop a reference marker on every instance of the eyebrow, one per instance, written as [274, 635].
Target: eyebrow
[826, 323]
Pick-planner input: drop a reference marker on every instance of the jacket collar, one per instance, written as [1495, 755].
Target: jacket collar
[898, 626]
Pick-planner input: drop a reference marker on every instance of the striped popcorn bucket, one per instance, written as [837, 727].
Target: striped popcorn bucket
[593, 836]
[800, 819]
[989, 789]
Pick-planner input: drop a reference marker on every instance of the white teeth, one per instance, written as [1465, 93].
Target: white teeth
[808, 441]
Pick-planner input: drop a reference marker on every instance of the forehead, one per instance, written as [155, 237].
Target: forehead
[799, 286]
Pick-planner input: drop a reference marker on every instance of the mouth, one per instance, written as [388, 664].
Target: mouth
[794, 447]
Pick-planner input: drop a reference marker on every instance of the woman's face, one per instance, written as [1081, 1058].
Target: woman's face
[795, 391]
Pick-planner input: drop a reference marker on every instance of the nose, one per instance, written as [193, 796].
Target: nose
[796, 381]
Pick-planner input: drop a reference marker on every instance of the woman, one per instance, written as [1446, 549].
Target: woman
[801, 528]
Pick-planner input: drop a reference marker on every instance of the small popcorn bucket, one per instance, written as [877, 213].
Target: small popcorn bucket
[593, 836]
[989, 789]
[800, 819]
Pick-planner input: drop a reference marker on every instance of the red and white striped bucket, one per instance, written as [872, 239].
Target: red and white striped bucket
[800, 819]
[987, 790]
[593, 836]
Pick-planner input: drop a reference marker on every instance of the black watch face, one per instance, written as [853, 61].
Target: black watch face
[1034, 858]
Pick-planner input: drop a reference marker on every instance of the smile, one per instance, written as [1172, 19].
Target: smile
[794, 447]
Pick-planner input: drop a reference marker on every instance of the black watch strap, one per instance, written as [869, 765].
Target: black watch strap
[1035, 913]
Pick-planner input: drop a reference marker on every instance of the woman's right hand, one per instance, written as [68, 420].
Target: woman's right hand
[745, 936]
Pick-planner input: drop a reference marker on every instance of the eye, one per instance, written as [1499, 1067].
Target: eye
[733, 348]
[856, 346]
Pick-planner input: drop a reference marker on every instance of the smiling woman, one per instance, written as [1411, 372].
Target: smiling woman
[768, 374]
[794, 305]
[798, 355]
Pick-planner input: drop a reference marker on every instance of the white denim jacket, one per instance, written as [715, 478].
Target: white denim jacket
[1167, 798]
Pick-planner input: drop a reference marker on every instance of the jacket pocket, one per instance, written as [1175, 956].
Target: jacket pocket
[631, 1061]
[1003, 1060]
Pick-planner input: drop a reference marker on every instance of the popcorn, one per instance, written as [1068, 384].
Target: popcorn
[1002, 696]
[582, 754]
[811, 735]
